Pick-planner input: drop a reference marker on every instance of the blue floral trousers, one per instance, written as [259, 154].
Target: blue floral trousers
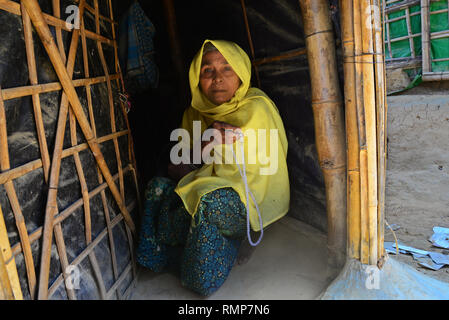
[202, 249]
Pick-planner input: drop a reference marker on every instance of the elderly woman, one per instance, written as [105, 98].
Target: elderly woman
[195, 221]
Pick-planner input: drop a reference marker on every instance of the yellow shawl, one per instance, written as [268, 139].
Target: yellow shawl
[250, 108]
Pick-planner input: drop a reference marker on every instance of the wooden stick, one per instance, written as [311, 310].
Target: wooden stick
[17, 172]
[401, 5]
[57, 13]
[352, 136]
[286, 55]
[31, 60]
[119, 281]
[111, 102]
[131, 154]
[250, 40]
[409, 31]
[62, 252]
[117, 151]
[11, 278]
[12, 196]
[435, 76]
[18, 92]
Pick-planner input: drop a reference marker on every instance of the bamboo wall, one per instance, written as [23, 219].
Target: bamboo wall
[98, 224]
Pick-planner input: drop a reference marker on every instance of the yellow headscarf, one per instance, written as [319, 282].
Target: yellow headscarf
[250, 108]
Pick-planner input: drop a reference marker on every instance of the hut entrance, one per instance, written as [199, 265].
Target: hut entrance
[72, 175]
[274, 36]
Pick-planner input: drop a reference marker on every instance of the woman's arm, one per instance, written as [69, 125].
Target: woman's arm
[178, 171]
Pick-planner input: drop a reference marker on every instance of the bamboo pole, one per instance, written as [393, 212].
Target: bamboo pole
[250, 40]
[10, 279]
[19, 92]
[31, 61]
[369, 95]
[130, 148]
[409, 32]
[425, 36]
[17, 172]
[6, 292]
[364, 230]
[352, 136]
[380, 79]
[329, 124]
[435, 76]
[283, 56]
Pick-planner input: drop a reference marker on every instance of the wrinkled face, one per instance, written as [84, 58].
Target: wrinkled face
[218, 81]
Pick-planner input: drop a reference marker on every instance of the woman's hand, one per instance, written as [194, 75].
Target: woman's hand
[226, 133]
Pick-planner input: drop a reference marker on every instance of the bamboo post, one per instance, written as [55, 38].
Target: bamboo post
[329, 122]
[352, 135]
[364, 230]
[380, 77]
[369, 96]
[370, 114]
[425, 36]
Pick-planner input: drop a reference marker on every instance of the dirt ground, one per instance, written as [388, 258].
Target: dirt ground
[417, 190]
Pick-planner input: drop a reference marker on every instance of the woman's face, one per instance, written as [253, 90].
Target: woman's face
[218, 81]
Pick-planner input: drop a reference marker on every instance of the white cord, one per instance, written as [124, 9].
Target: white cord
[247, 191]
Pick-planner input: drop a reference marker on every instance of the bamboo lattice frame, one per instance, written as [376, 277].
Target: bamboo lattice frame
[31, 13]
[425, 59]
[404, 5]
[427, 36]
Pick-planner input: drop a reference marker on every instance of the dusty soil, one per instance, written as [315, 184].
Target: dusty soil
[417, 190]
